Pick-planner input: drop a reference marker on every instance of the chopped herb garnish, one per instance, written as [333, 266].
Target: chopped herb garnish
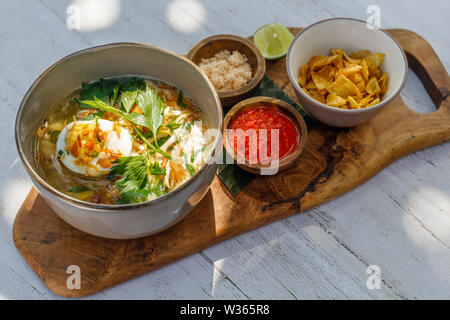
[163, 140]
[102, 89]
[148, 134]
[53, 135]
[94, 154]
[190, 124]
[153, 149]
[107, 90]
[78, 189]
[141, 195]
[60, 153]
[132, 172]
[190, 168]
[155, 169]
[196, 152]
[180, 100]
[159, 189]
[131, 84]
[134, 196]
[134, 176]
[173, 125]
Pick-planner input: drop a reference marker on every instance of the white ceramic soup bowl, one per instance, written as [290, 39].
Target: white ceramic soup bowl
[115, 60]
[349, 35]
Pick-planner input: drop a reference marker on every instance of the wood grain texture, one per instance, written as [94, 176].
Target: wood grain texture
[333, 162]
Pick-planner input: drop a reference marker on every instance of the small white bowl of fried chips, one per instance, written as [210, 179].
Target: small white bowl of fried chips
[345, 71]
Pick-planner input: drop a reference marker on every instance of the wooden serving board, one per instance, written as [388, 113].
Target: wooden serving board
[333, 162]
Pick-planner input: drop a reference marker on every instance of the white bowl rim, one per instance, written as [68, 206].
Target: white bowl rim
[109, 207]
[339, 110]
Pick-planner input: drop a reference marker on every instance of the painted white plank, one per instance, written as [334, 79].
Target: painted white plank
[314, 265]
[190, 278]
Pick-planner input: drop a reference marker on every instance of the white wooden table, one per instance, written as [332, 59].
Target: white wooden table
[399, 220]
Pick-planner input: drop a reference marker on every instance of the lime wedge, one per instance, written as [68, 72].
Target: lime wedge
[273, 40]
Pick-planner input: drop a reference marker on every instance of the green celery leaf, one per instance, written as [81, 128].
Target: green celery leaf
[156, 170]
[132, 172]
[134, 196]
[159, 189]
[128, 99]
[131, 84]
[129, 88]
[103, 89]
[153, 108]
[107, 90]
[115, 94]
[138, 119]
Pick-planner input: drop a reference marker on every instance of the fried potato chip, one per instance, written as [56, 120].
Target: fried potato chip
[343, 87]
[372, 86]
[316, 58]
[317, 61]
[374, 102]
[335, 101]
[374, 72]
[339, 63]
[382, 82]
[352, 103]
[356, 77]
[361, 85]
[352, 60]
[310, 85]
[365, 69]
[345, 81]
[375, 60]
[360, 54]
[323, 92]
[303, 74]
[324, 77]
[365, 101]
[350, 69]
[384, 77]
[323, 62]
[336, 51]
[315, 94]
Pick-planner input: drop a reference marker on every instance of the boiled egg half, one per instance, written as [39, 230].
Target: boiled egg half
[89, 147]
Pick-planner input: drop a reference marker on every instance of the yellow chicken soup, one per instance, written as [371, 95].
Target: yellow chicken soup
[120, 141]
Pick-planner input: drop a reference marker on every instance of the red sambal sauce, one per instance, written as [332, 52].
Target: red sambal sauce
[251, 121]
